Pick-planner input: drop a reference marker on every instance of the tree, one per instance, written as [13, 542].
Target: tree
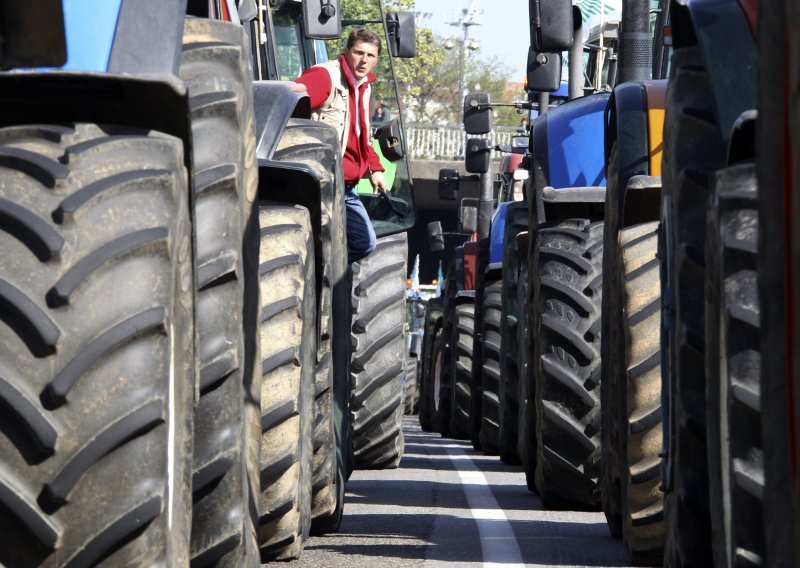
[428, 84]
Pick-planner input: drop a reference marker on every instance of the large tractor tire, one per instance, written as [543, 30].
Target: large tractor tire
[476, 389]
[508, 394]
[216, 69]
[778, 48]
[96, 305]
[692, 147]
[444, 384]
[288, 356]
[638, 395]
[433, 325]
[566, 327]
[410, 385]
[313, 145]
[526, 442]
[735, 443]
[379, 292]
[490, 379]
[463, 330]
[612, 347]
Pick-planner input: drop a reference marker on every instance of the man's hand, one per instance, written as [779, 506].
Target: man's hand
[297, 87]
[378, 182]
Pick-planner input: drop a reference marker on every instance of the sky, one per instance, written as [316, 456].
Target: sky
[503, 32]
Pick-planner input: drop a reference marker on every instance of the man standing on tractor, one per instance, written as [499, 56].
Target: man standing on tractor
[340, 96]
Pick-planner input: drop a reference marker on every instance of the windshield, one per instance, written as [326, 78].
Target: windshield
[387, 218]
[288, 44]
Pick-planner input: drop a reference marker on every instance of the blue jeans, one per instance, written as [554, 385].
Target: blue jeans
[360, 234]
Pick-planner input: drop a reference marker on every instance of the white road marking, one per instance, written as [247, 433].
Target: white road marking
[499, 546]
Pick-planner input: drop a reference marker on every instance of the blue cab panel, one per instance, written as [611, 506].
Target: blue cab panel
[498, 232]
[90, 27]
[575, 134]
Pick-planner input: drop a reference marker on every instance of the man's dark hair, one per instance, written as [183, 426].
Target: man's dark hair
[363, 35]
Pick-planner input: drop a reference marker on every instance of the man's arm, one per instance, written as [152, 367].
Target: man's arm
[317, 82]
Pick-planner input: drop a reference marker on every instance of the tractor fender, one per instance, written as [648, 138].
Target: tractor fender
[154, 102]
[494, 271]
[497, 233]
[275, 103]
[731, 71]
[635, 121]
[568, 153]
[465, 296]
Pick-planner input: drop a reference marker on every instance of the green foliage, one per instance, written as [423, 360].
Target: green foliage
[428, 85]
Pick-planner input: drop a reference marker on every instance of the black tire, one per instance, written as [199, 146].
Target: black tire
[314, 145]
[566, 327]
[379, 293]
[612, 347]
[410, 385]
[444, 389]
[508, 393]
[692, 147]
[216, 69]
[433, 323]
[490, 373]
[96, 389]
[288, 357]
[776, 266]
[638, 392]
[733, 334]
[476, 390]
[526, 443]
[463, 330]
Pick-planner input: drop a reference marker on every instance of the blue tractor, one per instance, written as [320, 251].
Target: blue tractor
[174, 287]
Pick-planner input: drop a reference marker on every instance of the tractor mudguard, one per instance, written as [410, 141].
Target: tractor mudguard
[124, 36]
[635, 122]
[154, 102]
[566, 154]
[731, 71]
[497, 233]
[494, 270]
[275, 104]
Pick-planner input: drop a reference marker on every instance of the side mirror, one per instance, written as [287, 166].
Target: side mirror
[449, 180]
[477, 114]
[468, 216]
[388, 137]
[544, 71]
[32, 34]
[322, 19]
[402, 33]
[478, 155]
[551, 24]
[435, 236]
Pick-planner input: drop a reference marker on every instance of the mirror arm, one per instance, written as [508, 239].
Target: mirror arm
[521, 105]
[360, 23]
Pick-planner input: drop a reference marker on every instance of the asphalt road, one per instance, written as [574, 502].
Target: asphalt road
[448, 505]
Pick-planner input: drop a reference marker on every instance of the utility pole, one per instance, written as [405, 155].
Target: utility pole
[467, 19]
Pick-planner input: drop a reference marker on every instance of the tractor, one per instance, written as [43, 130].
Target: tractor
[176, 314]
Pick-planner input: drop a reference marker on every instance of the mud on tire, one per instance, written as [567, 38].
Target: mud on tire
[314, 145]
[638, 392]
[379, 293]
[215, 67]
[566, 327]
[288, 351]
[95, 392]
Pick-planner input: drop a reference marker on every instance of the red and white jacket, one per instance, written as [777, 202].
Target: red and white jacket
[335, 95]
